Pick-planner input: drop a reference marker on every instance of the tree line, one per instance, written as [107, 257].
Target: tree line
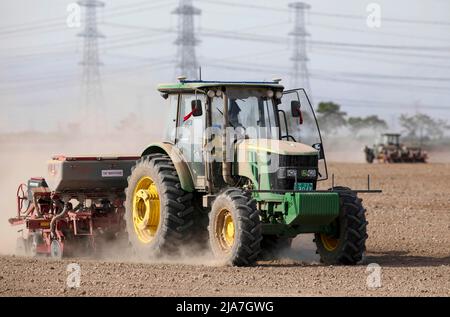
[419, 127]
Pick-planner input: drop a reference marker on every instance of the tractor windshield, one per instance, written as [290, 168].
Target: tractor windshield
[249, 110]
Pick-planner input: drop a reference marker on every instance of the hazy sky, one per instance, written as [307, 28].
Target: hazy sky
[40, 72]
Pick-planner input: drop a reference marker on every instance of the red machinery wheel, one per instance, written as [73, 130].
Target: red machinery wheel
[21, 197]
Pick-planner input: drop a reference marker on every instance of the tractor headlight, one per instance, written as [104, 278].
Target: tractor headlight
[309, 173]
[211, 93]
[219, 93]
[270, 93]
[278, 95]
[291, 173]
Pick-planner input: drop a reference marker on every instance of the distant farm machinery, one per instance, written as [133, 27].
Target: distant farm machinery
[390, 150]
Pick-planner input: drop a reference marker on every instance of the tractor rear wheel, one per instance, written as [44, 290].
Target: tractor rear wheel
[234, 228]
[159, 214]
[347, 246]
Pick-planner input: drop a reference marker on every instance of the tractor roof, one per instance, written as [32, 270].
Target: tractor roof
[391, 134]
[188, 86]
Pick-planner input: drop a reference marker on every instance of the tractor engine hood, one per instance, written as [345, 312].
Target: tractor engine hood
[275, 146]
[274, 164]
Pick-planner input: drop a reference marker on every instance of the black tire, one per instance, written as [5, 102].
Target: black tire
[176, 212]
[246, 245]
[200, 238]
[272, 246]
[351, 233]
[370, 155]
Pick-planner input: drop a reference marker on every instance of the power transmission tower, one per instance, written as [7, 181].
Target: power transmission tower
[186, 40]
[92, 96]
[300, 75]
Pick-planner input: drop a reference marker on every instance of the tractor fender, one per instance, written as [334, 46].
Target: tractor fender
[176, 157]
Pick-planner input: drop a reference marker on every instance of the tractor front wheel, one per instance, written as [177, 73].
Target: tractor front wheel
[348, 244]
[235, 229]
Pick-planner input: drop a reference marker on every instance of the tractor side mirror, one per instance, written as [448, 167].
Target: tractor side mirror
[196, 107]
[319, 147]
[295, 110]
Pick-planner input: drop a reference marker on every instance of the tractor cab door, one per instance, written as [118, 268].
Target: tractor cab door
[190, 132]
[298, 123]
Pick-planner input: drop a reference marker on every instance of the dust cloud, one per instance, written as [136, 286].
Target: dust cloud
[302, 252]
[25, 155]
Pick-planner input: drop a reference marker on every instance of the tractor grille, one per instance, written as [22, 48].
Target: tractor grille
[290, 171]
[298, 160]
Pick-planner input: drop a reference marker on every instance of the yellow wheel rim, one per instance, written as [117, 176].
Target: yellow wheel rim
[329, 243]
[146, 209]
[225, 230]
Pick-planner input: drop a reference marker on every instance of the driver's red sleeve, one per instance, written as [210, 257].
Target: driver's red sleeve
[186, 117]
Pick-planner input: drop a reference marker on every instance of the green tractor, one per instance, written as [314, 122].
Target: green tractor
[239, 169]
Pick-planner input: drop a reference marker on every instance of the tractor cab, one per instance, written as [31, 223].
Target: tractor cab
[390, 139]
[252, 132]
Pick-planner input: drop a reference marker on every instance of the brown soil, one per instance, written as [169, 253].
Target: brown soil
[409, 237]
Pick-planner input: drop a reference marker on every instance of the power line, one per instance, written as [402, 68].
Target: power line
[150, 6]
[395, 20]
[59, 24]
[367, 32]
[275, 39]
[382, 46]
[337, 80]
[346, 55]
[344, 74]
[381, 52]
[384, 76]
[325, 14]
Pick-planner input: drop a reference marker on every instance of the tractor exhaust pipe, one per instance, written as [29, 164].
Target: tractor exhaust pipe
[226, 166]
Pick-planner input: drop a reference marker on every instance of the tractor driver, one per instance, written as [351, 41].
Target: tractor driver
[233, 114]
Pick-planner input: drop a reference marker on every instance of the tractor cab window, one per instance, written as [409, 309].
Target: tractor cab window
[170, 127]
[391, 139]
[253, 112]
[190, 131]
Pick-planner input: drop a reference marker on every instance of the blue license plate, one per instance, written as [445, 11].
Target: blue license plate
[303, 186]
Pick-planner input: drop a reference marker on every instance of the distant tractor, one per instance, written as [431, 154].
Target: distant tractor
[390, 150]
[238, 170]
